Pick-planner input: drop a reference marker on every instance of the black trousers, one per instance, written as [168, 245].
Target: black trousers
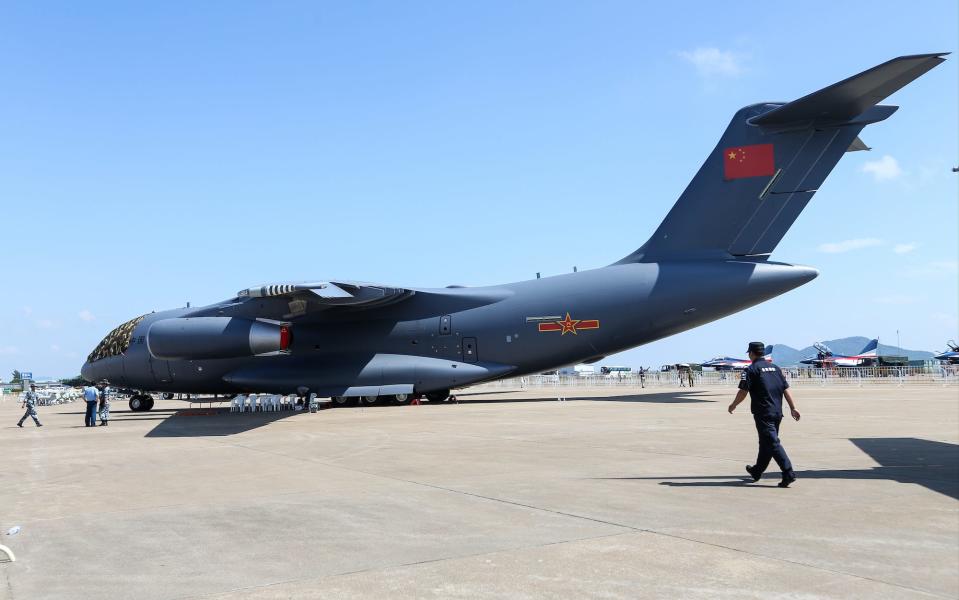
[770, 447]
[91, 416]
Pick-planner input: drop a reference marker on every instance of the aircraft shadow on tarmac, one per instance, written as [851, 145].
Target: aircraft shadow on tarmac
[653, 398]
[934, 465]
[203, 422]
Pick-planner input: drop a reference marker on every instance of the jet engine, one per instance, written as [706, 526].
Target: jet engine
[215, 337]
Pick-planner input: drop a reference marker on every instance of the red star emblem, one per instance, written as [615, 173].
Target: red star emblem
[569, 325]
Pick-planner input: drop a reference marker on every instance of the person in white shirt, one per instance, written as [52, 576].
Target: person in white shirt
[91, 395]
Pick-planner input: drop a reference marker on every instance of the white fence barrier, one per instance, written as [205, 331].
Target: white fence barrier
[858, 376]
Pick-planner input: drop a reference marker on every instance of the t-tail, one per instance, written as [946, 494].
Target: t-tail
[770, 162]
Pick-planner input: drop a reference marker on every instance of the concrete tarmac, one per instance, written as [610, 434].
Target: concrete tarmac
[620, 493]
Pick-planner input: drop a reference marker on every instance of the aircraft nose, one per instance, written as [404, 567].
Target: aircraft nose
[86, 372]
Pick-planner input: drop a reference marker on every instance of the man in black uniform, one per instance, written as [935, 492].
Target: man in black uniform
[766, 386]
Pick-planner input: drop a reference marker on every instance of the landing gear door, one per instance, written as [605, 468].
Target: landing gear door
[469, 350]
[162, 373]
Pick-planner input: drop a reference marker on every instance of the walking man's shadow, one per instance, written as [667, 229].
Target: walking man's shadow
[934, 465]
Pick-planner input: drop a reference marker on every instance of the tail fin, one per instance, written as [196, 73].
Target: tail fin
[871, 349]
[770, 161]
[769, 351]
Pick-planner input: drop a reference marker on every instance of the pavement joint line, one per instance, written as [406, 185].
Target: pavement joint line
[409, 564]
[604, 522]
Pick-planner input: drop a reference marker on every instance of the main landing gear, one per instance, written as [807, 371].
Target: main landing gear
[141, 402]
[439, 396]
[401, 399]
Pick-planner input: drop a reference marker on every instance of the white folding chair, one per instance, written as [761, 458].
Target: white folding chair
[250, 403]
[236, 405]
[275, 403]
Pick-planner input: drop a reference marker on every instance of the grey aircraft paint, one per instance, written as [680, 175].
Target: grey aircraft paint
[709, 258]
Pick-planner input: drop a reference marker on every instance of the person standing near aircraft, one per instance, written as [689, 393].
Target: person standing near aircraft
[90, 396]
[766, 386]
[30, 403]
[105, 392]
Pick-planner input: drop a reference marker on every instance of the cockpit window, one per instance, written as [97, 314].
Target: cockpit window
[116, 342]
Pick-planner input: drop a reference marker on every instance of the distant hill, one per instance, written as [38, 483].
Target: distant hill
[788, 356]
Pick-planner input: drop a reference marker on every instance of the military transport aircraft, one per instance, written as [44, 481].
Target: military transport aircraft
[827, 358]
[728, 363]
[708, 258]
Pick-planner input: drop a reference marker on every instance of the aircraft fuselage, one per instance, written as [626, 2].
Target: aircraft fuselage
[452, 337]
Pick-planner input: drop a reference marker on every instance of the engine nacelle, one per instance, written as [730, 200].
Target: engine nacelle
[215, 337]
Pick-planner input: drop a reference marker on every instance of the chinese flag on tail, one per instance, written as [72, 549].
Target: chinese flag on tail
[748, 161]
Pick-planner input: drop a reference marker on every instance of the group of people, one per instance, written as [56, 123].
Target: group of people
[97, 398]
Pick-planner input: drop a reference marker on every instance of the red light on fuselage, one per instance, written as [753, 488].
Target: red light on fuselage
[285, 337]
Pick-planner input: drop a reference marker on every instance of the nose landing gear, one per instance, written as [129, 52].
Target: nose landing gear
[141, 402]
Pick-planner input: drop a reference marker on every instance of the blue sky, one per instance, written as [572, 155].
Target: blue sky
[157, 153]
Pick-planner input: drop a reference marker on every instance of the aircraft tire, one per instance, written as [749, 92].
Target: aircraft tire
[402, 398]
[439, 396]
[368, 400]
[341, 401]
[140, 403]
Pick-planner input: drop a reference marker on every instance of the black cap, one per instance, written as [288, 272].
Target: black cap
[757, 347]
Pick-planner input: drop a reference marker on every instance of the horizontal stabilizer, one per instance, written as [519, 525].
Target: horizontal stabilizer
[853, 96]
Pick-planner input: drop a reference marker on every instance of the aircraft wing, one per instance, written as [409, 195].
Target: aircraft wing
[285, 301]
[331, 293]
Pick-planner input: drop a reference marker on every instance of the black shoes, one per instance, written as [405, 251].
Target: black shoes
[787, 479]
[753, 474]
[20, 425]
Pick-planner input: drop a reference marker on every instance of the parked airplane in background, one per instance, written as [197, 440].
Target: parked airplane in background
[727, 363]
[708, 258]
[951, 355]
[826, 358]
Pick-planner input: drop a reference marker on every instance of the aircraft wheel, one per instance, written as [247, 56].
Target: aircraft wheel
[340, 400]
[440, 396]
[368, 400]
[140, 403]
[402, 398]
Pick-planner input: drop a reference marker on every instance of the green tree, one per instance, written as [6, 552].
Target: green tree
[16, 377]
